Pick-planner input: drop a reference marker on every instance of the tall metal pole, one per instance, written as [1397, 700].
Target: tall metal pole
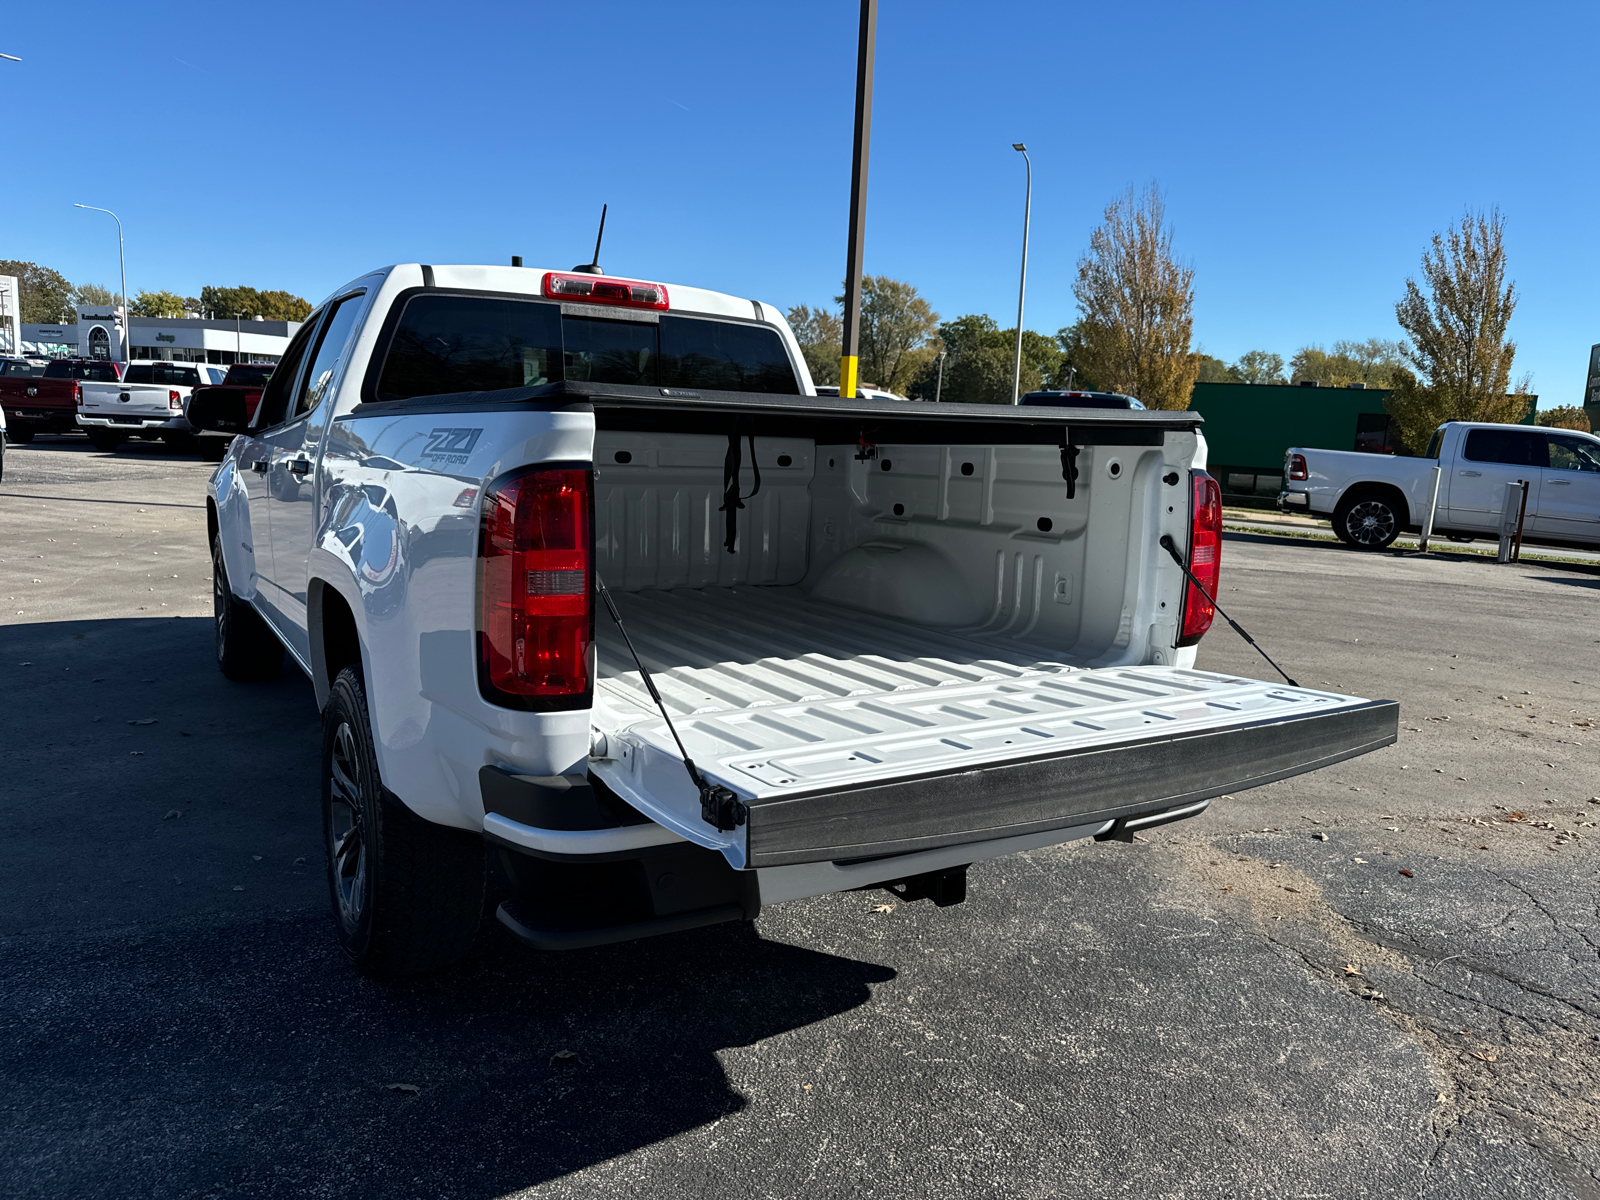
[122, 262]
[858, 201]
[1022, 288]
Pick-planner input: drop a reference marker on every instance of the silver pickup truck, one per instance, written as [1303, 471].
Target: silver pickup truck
[608, 612]
[147, 402]
[1371, 498]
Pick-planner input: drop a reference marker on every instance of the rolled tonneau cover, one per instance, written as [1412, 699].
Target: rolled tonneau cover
[1007, 422]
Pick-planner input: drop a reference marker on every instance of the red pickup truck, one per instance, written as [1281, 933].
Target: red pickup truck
[46, 400]
[246, 378]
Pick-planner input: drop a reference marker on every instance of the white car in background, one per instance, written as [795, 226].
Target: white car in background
[147, 402]
[1373, 497]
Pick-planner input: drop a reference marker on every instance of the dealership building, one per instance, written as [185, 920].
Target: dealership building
[99, 333]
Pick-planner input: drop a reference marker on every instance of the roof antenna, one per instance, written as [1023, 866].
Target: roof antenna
[593, 268]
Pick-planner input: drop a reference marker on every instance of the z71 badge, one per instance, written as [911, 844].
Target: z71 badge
[451, 445]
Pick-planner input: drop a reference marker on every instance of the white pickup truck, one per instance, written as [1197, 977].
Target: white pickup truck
[147, 402]
[1373, 497]
[861, 642]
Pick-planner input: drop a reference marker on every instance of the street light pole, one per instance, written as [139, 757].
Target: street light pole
[122, 262]
[938, 388]
[848, 357]
[1022, 288]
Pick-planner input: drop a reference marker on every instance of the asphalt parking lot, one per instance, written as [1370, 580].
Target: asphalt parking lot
[1379, 980]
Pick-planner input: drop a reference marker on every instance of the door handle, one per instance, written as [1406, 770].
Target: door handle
[299, 466]
[1470, 472]
[1559, 482]
[259, 466]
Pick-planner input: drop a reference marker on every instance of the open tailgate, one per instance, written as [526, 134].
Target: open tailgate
[856, 738]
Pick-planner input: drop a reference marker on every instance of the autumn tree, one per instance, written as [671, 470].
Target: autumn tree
[979, 360]
[45, 295]
[1214, 370]
[1371, 362]
[157, 304]
[1259, 366]
[220, 302]
[1564, 416]
[96, 295]
[1457, 359]
[897, 326]
[1138, 305]
[820, 332]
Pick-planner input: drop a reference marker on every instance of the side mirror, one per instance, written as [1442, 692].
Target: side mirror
[214, 410]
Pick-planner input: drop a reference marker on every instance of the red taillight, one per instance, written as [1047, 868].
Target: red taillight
[1297, 466]
[77, 393]
[535, 589]
[596, 289]
[1205, 558]
[175, 400]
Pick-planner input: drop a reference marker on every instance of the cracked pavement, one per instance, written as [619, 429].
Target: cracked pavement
[1382, 979]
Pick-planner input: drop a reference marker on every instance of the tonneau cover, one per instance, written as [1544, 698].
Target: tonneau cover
[599, 397]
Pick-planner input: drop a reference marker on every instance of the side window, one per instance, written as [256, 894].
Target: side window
[1573, 453]
[331, 342]
[274, 403]
[1433, 445]
[1514, 447]
[446, 344]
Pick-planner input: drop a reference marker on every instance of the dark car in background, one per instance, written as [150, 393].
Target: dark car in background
[41, 397]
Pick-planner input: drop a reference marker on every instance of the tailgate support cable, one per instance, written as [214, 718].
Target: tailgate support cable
[1171, 548]
[720, 807]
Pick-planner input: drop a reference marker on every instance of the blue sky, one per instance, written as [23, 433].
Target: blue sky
[1307, 152]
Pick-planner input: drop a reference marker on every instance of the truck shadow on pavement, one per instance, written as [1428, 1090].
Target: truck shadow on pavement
[175, 1017]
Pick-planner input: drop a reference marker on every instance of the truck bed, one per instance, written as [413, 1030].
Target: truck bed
[844, 730]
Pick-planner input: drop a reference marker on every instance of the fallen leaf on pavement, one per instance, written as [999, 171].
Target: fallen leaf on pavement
[1406, 873]
[410, 1089]
[565, 1058]
[171, 814]
[883, 908]
[145, 721]
[1482, 1057]
[1351, 969]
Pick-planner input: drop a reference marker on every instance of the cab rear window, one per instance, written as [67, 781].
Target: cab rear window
[94, 372]
[447, 344]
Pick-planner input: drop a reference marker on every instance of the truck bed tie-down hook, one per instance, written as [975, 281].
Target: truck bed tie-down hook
[1171, 547]
[1069, 463]
[720, 807]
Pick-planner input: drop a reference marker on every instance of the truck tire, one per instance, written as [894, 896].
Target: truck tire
[1368, 520]
[105, 440]
[21, 435]
[407, 894]
[246, 648]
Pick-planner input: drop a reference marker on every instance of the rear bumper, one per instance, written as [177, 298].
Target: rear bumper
[1122, 783]
[136, 422]
[1294, 500]
[41, 418]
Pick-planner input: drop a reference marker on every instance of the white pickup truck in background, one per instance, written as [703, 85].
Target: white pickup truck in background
[147, 402]
[868, 642]
[1373, 497]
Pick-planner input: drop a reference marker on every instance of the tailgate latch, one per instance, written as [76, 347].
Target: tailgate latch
[719, 806]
